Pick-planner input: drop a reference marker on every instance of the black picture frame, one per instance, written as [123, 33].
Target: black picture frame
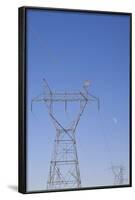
[22, 147]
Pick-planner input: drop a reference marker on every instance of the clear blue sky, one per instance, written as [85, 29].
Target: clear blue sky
[66, 49]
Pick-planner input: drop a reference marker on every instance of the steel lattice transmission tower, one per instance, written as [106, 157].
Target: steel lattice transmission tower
[64, 166]
[118, 172]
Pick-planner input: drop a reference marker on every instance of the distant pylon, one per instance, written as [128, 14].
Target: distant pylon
[118, 172]
[64, 169]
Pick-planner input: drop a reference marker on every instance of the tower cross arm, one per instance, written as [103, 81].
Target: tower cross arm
[65, 97]
[70, 96]
[38, 98]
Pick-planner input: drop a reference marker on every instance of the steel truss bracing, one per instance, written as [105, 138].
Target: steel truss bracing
[64, 166]
[118, 171]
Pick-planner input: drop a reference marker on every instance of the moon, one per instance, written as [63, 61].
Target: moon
[115, 120]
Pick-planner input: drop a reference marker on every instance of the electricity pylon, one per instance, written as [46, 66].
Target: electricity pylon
[64, 169]
[118, 172]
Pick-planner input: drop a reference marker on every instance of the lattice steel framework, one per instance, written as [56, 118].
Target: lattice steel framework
[64, 166]
[118, 172]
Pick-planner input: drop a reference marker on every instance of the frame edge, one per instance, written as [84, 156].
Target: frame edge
[22, 101]
[22, 98]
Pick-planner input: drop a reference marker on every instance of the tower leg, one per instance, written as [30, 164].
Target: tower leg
[64, 166]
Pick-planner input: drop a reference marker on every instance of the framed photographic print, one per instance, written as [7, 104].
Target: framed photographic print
[74, 99]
